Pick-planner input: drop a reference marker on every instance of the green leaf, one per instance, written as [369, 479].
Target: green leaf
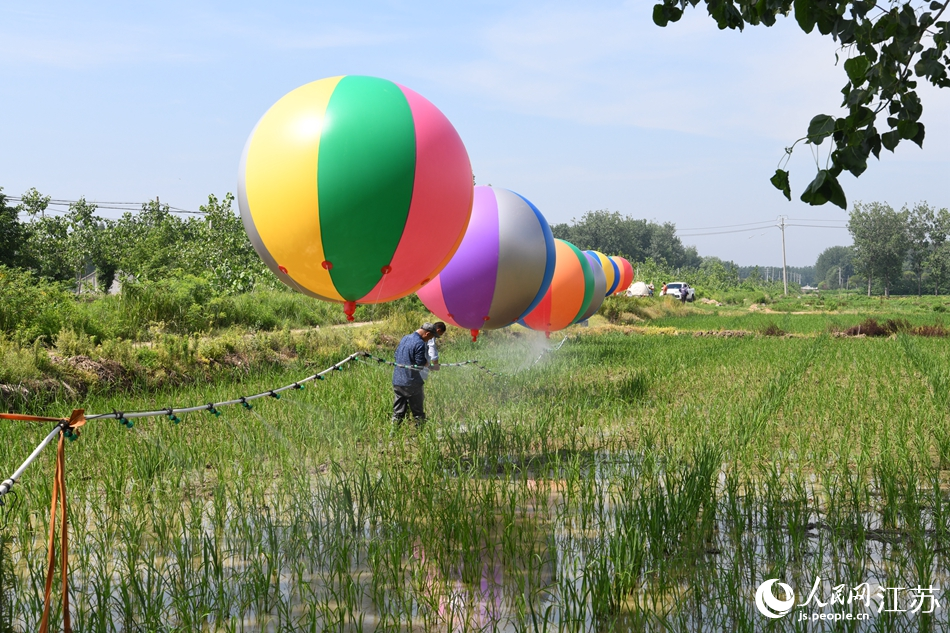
[825, 188]
[805, 15]
[912, 105]
[780, 181]
[861, 117]
[837, 193]
[919, 137]
[664, 14]
[812, 194]
[890, 139]
[857, 68]
[907, 129]
[872, 142]
[820, 128]
[851, 159]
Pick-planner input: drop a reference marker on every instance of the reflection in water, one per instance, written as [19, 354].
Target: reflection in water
[578, 542]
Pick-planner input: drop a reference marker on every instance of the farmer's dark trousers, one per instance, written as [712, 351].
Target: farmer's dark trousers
[411, 398]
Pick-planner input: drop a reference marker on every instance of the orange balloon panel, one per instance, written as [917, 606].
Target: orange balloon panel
[626, 274]
[570, 292]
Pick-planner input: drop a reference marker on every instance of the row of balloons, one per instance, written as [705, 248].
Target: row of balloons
[358, 190]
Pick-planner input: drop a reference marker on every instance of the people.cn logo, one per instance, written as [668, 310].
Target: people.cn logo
[770, 606]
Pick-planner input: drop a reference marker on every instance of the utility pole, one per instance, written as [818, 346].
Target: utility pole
[781, 225]
[839, 277]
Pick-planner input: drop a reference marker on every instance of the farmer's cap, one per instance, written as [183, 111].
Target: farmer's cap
[436, 328]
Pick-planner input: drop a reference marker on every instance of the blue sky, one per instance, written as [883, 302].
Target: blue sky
[577, 108]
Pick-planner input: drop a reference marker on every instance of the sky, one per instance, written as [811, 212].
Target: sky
[576, 108]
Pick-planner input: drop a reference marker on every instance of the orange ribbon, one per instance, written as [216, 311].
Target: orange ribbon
[76, 420]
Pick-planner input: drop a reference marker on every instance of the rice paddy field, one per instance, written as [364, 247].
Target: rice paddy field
[633, 479]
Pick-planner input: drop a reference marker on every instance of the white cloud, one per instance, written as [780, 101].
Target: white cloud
[76, 38]
[615, 67]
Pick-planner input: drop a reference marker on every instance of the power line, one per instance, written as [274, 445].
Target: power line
[112, 206]
[727, 226]
[818, 226]
[758, 228]
[764, 224]
[813, 220]
[814, 226]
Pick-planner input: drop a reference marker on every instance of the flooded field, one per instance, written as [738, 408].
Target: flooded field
[626, 482]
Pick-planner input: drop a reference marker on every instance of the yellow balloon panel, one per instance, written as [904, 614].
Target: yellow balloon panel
[281, 184]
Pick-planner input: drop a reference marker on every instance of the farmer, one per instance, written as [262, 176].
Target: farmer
[408, 383]
[432, 352]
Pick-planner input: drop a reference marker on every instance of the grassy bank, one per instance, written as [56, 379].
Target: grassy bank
[147, 340]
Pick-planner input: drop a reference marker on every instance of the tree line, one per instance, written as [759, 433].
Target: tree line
[155, 244]
[151, 244]
[637, 240]
[904, 251]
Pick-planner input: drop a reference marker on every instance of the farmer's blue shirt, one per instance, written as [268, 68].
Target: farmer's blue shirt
[411, 351]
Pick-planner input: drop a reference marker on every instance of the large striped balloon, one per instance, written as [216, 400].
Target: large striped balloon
[571, 291]
[611, 272]
[501, 269]
[355, 189]
[600, 288]
[626, 274]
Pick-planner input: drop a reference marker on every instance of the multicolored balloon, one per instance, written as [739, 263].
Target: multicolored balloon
[355, 189]
[600, 288]
[501, 269]
[570, 294]
[626, 274]
[611, 272]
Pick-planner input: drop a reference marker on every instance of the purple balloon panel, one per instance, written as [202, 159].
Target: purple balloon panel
[468, 281]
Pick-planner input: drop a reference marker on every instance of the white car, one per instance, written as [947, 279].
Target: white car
[674, 289]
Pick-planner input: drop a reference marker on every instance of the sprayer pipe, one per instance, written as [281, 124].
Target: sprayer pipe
[7, 484]
[205, 407]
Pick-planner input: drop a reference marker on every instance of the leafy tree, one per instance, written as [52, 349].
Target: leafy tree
[83, 236]
[691, 258]
[149, 243]
[833, 263]
[938, 262]
[719, 274]
[221, 247]
[42, 242]
[940, 229]
[614, 234]
[886, 49]
[880, 241]
[920, 222]
[46, 241]
[602, 230]
[11, 234]
[33, 203]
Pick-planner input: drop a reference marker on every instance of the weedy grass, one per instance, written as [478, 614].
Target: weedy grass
[621, 483]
